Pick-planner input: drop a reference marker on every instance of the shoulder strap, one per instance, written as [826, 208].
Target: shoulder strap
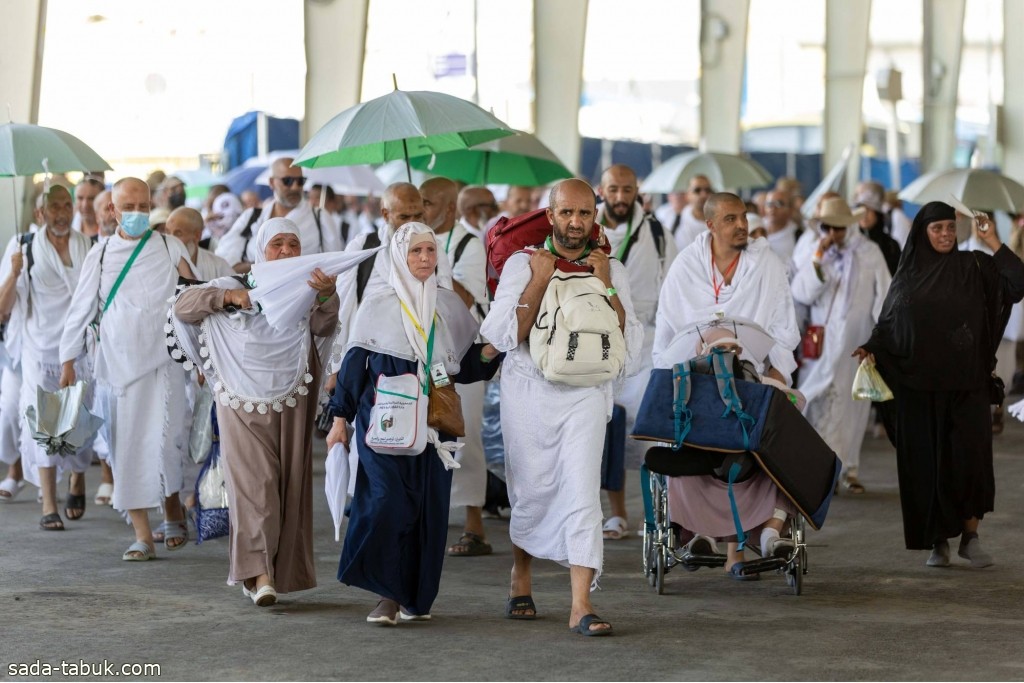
[345, 228]
[461, 247]
[247, 230]
[319, 228]
[658, 233]
[124, 271]
[365, 268]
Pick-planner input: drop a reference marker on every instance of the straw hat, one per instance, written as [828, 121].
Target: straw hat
[158, 216]
[836, 211]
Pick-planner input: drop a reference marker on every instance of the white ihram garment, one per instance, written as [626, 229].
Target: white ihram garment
[235, 248]
[856, 281]
[554, 434]
[140, 391]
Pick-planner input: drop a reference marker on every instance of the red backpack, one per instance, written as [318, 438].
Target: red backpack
[511, 235]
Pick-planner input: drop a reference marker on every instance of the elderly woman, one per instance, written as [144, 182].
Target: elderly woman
[265, 381]
[935, 345]
[397, 531]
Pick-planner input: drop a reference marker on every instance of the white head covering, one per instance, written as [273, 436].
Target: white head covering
[419, 299]
[227, 209]
[271, 229]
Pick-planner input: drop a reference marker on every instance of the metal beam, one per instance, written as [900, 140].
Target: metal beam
[723, 51]
[559, 37]
[847, 25]
[335, 47]
[942, 45]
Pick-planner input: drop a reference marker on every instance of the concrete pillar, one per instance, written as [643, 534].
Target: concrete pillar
[1012, 123]
[560, 30]
[335, 46]
[21, 67]
[723, 52]
[846, 57]
[942, 44]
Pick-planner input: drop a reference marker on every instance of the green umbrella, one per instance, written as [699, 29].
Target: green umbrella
[26, 150]
[400, 125]
[519, 159]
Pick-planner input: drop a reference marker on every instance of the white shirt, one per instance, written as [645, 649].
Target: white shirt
[314, 240]
[470, 270]
[690, 229]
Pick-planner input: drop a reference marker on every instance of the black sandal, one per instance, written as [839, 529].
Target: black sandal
[75, 504]
[51, 522]
[520, 603]
[470, 545]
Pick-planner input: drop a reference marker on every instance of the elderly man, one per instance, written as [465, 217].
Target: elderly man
[40, 278]
[477, 209]
[724, 273]
[85, 220]
[844, 283]
[693, 221]
[170, 194]
[465, 253]
[318, 229]
[141, 391]
[554, 432]
[518, 201]
[187, 225]
[640, 244]
[783, 231]
[104, 208]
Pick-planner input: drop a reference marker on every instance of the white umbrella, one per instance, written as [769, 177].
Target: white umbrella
[336, 477]
[396, 172]
[723, 170]
[834, 181]
[756, 342]
[281, 286]
[59, 420]
[975, 187]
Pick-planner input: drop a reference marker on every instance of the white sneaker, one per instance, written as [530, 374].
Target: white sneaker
[263, 597]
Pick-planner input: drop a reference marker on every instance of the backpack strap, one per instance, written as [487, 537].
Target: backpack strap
[25, 239]
[461, 247]
[247, 230]
[658, 233]
[319, 228]
[682, 416]
[345, 229]
[365, 268]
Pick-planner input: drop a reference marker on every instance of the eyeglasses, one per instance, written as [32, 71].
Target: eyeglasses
[291, 180]
[833, 228]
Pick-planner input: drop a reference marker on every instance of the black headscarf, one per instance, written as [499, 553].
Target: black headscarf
[943, 315]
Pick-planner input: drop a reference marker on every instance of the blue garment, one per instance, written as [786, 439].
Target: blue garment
[398, 526]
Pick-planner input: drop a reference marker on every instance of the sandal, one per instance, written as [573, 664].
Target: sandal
[75, 506]
[470, 545]
[175, 530]
[615, 528]
[588, 620]
[10, 488]
[138, 551]
[104, 494]
[520, 603]
[853, 485]
[51, 522]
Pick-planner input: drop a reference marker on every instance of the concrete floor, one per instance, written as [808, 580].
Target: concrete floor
[871, 610]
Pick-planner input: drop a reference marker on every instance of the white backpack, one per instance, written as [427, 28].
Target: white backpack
[576, 338]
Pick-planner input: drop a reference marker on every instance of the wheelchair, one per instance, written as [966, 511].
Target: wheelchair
[661, 549]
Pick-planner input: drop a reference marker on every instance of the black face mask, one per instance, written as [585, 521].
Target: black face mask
[176, 200]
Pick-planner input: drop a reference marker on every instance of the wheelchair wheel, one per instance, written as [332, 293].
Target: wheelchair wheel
[795, 574]
[650, 547]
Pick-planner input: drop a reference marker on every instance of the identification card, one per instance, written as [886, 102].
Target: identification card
[439, 375]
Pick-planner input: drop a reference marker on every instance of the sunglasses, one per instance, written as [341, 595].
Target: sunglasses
[833, 228]
[291, 180]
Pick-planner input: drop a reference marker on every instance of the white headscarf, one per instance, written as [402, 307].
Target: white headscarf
[419, 299]
[271, 229]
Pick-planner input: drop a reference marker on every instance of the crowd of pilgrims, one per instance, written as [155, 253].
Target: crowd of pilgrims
[85, 295]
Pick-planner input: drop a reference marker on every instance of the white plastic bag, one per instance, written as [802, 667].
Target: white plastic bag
[868, 384]
[200, 439]
[398, 420]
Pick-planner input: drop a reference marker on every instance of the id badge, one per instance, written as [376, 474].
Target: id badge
[439, 375]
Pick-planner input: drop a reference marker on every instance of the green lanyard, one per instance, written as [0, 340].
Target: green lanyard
[124, 271]
[550, 246]
[448, 244]
[430, 345]
[625, 242]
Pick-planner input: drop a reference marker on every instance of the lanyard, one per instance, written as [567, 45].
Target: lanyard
[448, 244]
[550, 246]
[430, 344]
[715, 285]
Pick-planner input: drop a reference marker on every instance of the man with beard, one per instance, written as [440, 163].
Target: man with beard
[41, 275]
[783, 231]
[724, 273]
[469, 274]
[104, 208]
[554, 433]
[639, 242]
[85, 220]
[318, 230]
[171, 193]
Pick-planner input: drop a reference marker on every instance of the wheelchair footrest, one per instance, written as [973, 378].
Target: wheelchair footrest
[690, 560]
[763, 565]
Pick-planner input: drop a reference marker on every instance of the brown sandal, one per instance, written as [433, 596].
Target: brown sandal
[470, 545]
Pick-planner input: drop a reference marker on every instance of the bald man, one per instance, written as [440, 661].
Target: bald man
[477, 209]
[104, 209]
[317, 230]
[554, 433]
[85, 220]
[140, 390]
[187, 225]
[39, 275]
[465, 252]
[518, 201]
[641, 244]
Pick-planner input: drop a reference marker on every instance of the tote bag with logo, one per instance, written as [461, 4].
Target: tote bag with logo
[398, 419]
